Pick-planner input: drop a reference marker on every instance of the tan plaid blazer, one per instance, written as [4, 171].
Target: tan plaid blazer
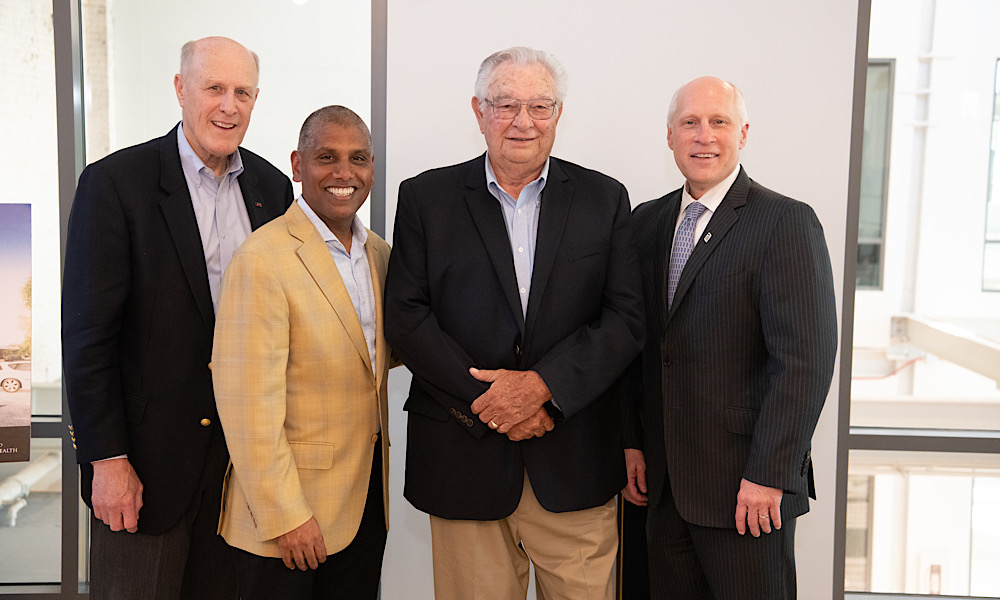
[299, 399]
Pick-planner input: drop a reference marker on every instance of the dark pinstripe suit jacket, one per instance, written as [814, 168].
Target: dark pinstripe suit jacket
[735, 374]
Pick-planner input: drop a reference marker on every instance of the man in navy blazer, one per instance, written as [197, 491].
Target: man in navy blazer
[740, 346]
[513, 296]
[150, 233]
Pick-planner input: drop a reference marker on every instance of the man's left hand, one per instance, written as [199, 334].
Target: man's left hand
[534, 426]
[758, 507]
[513, 397]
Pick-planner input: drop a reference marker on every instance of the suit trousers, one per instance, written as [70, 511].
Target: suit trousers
[353, 573]
[573, 553]
[690, 562]
[188, 562]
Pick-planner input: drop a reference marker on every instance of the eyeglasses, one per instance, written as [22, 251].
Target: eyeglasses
[508, 108]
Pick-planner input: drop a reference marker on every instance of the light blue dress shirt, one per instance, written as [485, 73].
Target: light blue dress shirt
[219, 209]
[354, 271]
[521, 219]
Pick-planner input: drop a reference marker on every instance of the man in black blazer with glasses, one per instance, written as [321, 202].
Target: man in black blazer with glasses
[740, 347]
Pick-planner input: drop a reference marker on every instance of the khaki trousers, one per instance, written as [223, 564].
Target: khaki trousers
[573, 553]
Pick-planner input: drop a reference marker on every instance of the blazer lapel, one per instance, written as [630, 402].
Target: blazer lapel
[315, 255]
[556, 200]
[183, 226]
[374, 259]
[259, 209]
[488, 218]
[721, 222]
[665, 242]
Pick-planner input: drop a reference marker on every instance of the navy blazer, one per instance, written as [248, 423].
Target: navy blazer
[734, 375]
[138, 319]
[452, 302]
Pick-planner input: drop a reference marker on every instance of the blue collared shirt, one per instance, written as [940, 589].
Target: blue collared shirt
[219, 209]
[354, 271]
[521, 219]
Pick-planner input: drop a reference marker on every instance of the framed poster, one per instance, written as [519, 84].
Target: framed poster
[15, 332]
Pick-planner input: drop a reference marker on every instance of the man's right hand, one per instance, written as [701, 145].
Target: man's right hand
[635, 467]
[303, 547]
[117, 494]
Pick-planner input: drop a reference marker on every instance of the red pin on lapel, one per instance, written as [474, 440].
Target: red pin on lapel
[258, 205]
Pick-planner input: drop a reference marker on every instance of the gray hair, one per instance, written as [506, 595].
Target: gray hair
[520, 55]
[741, 105]
[330, 115]
[189, 48]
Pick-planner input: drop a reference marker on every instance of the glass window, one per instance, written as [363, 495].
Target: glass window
[923, 523]
[991, 257]
[924, 440]
[874, 174]
[31, 519]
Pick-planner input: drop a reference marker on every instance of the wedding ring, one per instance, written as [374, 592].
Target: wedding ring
[493, 424]
[764, 516]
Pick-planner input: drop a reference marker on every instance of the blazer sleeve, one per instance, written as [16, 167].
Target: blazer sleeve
[248, 370]
[96, 281]
[799, 323]
[411, 328]
[588, 361]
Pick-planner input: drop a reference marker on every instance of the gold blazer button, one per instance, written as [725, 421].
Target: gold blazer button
[209, 366]
[206, 422]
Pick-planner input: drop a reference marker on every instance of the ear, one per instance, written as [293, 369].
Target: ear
[670, 138]
[179, 89]
[296, 166]
[743, 135]
[480, 116]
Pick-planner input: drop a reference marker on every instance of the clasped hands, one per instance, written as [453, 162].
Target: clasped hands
[513, 404]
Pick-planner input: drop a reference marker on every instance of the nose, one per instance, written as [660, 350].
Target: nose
[228, 103]
[523, 120]
[704, 132]
[340, 169]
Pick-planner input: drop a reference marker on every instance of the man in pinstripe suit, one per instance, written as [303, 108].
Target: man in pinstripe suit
[740, 347]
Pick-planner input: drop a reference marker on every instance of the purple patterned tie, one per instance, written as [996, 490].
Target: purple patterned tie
[683, 245]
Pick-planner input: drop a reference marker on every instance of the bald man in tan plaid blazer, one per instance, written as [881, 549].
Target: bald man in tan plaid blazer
[303, 407]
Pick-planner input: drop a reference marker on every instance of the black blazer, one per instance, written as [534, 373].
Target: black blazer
[451, 302]
[138, 320]
[735, 374]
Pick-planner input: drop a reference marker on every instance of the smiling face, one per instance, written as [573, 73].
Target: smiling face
[520, 146]
[217, 90]
[336, 172]
[706, 133]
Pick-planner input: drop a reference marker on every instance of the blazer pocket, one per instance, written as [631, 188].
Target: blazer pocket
[727, 282]
[741, 420]
[312, 455]
[578, 251]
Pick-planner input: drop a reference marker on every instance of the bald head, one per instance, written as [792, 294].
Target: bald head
[194, 51]
[714, 86]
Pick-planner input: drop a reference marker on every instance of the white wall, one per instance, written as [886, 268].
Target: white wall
[795, 64]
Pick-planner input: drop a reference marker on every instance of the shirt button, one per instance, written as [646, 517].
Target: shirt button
[524, 290]
[206, 422]
[520, 249]
[519, 211]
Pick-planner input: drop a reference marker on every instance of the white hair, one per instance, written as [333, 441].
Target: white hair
[520, 55]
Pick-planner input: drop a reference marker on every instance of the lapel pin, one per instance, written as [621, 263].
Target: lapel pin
[258, 205]
[708, 236]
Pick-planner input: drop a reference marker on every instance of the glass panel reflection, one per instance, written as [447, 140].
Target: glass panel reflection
[923, 523]
[31, 516]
